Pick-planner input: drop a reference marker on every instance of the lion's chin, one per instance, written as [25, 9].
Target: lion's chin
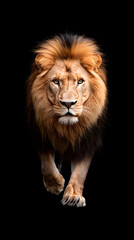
[68, 120]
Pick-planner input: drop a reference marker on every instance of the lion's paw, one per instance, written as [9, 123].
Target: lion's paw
[73, 198]
[53, 184]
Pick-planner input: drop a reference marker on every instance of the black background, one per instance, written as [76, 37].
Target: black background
[105, 187]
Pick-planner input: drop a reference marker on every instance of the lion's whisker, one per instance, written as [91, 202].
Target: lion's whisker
[86, 110]
[47, 110]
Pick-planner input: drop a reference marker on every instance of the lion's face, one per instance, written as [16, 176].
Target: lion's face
[68, 90]
[69, 86]
[67, 93]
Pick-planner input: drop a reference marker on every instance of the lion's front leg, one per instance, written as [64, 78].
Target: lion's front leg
[73, 192]
[52, 179]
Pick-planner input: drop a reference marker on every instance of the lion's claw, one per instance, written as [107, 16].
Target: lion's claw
[74, 200]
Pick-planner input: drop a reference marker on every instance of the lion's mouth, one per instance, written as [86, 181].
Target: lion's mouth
[68, 118]
[69, 114]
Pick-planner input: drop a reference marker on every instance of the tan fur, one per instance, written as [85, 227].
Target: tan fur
[93, 105]
[68, 65]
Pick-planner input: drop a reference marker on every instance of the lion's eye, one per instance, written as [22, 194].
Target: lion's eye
[56, 81]
[80, 81]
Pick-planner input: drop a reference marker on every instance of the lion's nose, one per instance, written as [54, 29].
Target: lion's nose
[68, 104]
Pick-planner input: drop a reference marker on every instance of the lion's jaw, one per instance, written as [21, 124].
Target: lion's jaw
[68, 89]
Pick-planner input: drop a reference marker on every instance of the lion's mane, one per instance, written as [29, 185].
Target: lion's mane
[47, 133]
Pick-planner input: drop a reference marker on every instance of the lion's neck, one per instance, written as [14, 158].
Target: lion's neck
[61, 136]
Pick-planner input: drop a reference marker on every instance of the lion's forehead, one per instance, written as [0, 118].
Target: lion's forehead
[65, 68]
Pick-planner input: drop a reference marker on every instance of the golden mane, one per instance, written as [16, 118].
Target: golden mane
[69, 47]
[65, 47]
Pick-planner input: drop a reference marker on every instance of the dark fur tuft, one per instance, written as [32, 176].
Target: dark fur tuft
[68, 39]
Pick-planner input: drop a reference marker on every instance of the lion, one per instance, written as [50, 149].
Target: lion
[66, 109]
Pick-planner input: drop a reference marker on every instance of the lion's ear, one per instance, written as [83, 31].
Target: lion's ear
[93, 62]
[43, 63]
[97, 60]
[38, 61]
